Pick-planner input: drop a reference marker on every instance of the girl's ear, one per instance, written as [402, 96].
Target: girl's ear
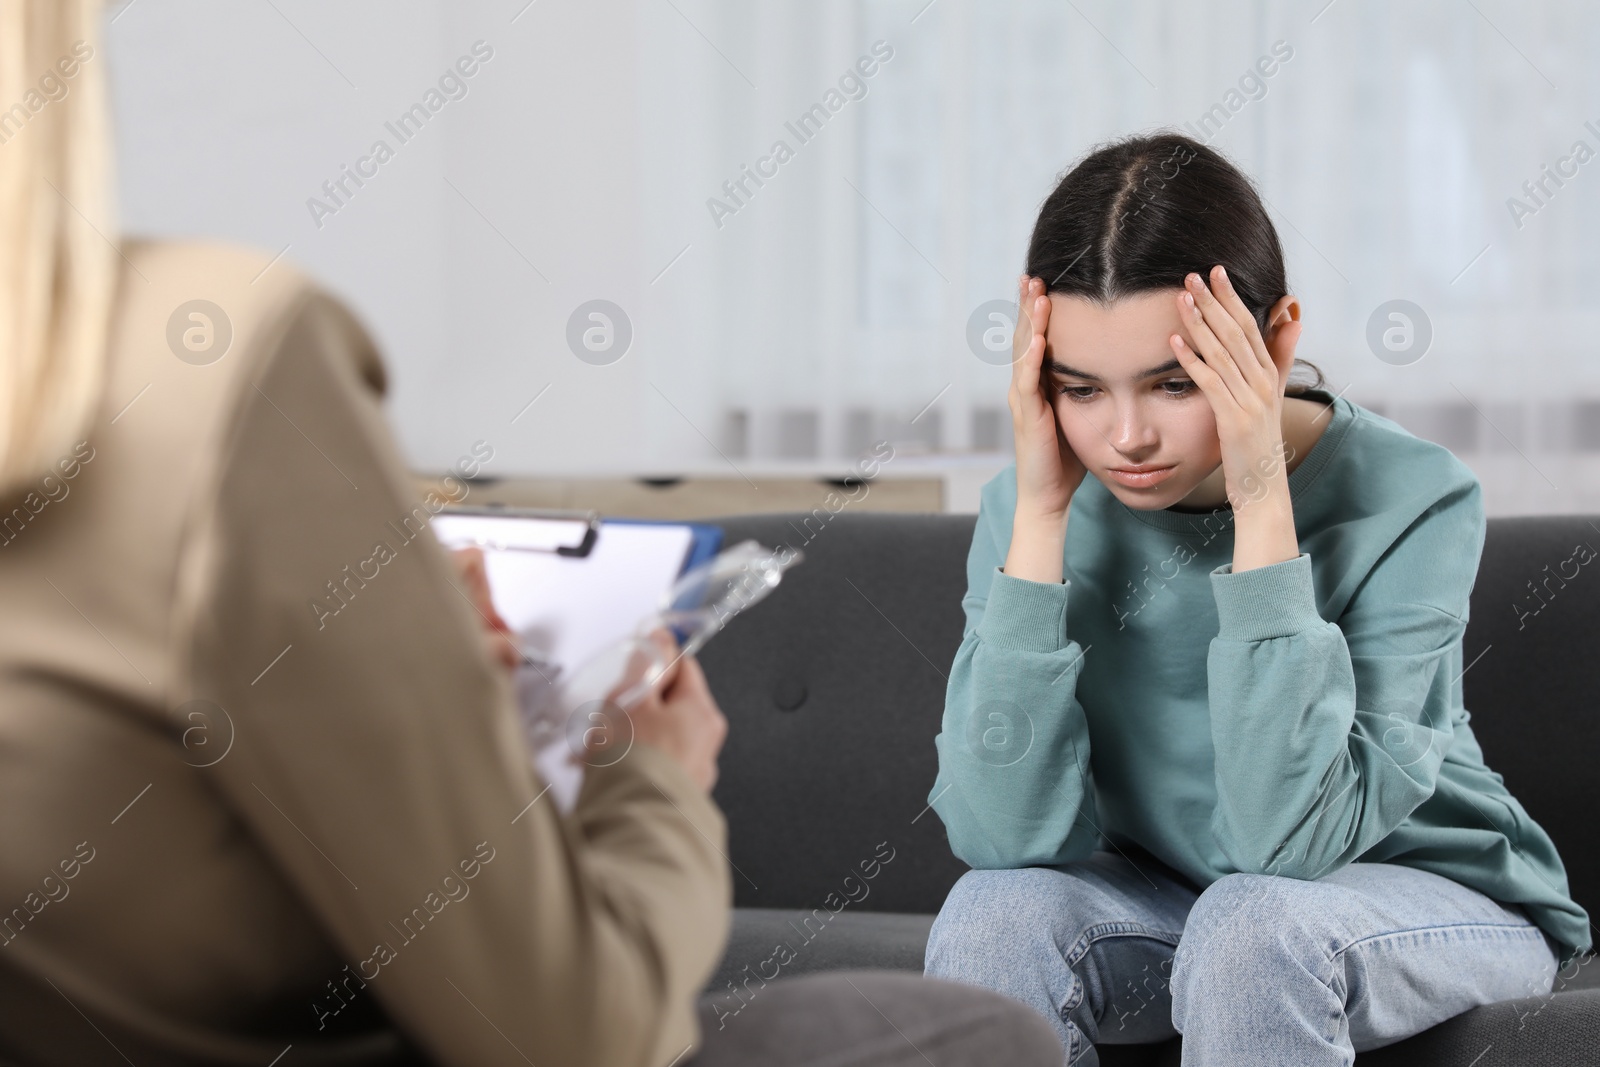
[1283, 333]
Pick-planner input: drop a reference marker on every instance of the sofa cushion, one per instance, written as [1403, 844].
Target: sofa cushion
[769, 943]
[834, 688]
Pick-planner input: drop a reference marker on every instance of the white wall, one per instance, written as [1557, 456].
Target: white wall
[232, 114]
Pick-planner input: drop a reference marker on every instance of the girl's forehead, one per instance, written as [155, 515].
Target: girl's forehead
[1122, 339]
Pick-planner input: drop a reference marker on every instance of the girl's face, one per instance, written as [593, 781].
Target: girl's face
[1123, 400]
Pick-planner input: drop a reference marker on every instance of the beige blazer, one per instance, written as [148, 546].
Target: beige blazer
[232, 824]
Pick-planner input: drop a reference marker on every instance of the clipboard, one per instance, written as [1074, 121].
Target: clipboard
[570, 533]
[706, 539]
[563, 532]
[571, 584]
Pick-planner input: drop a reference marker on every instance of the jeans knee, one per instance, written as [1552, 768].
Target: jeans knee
[985, 918]
[1243, 925]
[978, 914]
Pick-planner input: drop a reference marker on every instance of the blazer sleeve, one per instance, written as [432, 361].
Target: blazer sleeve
[1014, 787]
[377, 759]
[1328, 735]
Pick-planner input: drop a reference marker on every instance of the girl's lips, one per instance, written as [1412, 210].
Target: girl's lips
[1141, 480]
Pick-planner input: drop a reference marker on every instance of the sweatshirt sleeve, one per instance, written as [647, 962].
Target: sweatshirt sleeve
[378, 763]
[1328, 735]
[1014, 787]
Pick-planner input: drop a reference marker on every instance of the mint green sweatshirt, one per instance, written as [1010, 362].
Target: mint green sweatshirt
[1287, 720]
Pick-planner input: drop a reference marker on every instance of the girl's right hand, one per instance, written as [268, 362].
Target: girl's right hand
[1048, 471]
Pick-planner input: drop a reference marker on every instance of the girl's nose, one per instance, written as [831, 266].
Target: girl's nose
[1131, 434]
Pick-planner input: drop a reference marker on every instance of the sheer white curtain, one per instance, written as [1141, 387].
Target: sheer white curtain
[1388, 141]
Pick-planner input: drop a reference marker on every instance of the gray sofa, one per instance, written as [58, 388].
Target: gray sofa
[834, 688]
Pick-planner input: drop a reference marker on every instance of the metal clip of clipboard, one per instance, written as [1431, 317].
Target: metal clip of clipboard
[562, 532]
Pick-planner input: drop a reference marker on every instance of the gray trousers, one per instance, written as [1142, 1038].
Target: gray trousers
[874, 1018]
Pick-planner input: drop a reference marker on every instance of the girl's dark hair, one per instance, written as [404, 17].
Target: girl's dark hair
[1140, 213]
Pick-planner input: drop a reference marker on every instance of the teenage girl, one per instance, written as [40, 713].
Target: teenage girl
[1204, 744]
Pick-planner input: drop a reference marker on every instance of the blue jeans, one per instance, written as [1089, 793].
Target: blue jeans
[1255, 969]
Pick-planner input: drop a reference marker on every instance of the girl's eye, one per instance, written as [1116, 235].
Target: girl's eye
[1083, 393]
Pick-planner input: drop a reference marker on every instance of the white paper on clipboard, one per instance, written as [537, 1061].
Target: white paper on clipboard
[566, 608]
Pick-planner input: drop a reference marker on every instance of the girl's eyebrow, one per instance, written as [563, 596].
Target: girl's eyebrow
[1058, 367]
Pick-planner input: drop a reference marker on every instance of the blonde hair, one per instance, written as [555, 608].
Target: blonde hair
[58, 260]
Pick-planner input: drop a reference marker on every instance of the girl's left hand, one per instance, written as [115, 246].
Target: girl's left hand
[1230, 363]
